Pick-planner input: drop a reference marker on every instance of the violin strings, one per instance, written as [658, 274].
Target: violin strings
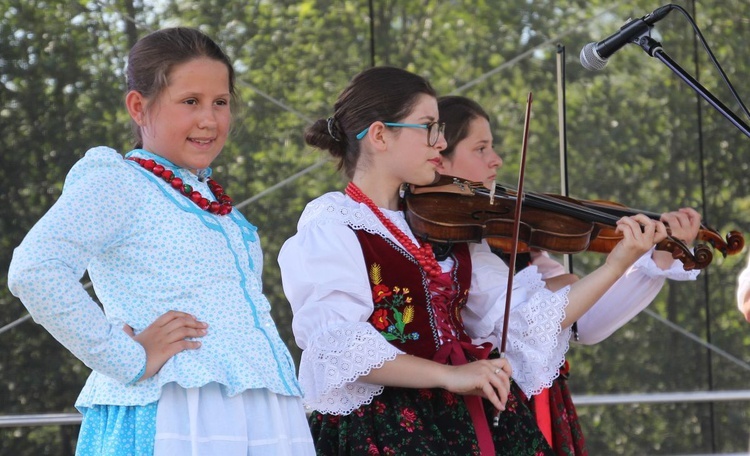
[560, 206]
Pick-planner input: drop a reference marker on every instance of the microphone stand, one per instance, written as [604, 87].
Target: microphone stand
[654, 49]
[562, 131]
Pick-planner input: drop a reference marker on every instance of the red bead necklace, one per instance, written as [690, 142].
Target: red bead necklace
[424, 255]
[222, 205]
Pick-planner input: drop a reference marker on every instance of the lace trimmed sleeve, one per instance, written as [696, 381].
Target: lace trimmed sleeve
[536, 343]
[325, 280]
[333, 361]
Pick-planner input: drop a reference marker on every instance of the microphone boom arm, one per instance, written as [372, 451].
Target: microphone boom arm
[654, 49]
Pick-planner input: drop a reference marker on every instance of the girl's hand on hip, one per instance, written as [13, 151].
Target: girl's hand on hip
[167, 336]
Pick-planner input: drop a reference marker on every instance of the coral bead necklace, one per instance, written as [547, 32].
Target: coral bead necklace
[222, 205]
[424, 255]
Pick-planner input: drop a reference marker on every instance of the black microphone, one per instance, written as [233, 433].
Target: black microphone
[594, 55]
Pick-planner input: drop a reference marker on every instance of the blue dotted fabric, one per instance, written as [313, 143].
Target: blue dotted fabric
[148, 249]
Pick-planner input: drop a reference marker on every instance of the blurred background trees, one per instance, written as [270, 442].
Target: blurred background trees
[636, 134]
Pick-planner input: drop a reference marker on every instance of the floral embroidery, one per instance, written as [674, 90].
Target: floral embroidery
[379, 407]
[380, 319]
[405, 421]
[379, 292]
[449, 398]
[387, 317]
[409, 420]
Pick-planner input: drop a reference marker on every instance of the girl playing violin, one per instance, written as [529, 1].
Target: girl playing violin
[386, 329]
[469, 155]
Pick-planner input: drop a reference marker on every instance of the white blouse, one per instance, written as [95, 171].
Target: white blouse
[325, 279]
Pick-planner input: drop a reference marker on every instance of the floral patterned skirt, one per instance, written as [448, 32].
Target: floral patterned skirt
[403, 421]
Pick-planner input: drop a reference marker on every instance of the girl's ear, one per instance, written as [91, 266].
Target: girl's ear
[136, 104]
[376, 135]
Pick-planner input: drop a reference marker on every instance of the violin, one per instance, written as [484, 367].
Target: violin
[455, 210]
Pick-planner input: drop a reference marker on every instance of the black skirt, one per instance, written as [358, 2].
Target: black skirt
[403, 421]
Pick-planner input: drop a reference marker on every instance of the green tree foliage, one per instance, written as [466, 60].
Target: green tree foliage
[636, 134]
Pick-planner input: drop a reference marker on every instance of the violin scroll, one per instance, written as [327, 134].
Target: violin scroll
[733, 244]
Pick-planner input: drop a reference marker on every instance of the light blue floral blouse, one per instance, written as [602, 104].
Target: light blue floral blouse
[148, 249]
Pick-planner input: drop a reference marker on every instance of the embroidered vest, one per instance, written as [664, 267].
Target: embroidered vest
[414, 314]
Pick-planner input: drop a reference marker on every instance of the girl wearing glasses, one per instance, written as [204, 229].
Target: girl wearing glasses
[469, 155]
[388, 363]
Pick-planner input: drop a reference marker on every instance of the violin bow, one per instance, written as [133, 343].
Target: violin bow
[514, 240]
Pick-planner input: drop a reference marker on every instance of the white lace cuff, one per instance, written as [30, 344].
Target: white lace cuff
[536, 341]
[335, 357]
[530, 280]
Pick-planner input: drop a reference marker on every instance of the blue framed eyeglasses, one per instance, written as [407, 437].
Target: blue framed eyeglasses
[434, 130]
